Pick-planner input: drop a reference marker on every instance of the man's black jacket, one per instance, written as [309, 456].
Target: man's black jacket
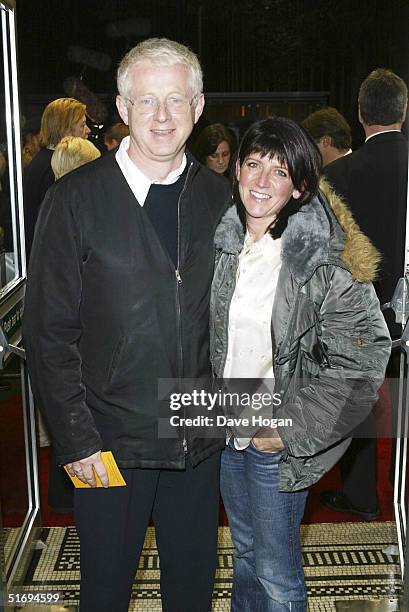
[373, 182]
[106, 315]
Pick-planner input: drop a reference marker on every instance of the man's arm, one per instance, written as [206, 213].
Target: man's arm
[52, 330]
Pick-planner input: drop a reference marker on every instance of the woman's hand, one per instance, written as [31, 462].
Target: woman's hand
[268, 440]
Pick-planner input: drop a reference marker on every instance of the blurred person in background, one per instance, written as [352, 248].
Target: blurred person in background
[331, 132]
[61, 117]
[30, 148]
[215, 148]
[114, 135]
[71, 153]
[373, 182]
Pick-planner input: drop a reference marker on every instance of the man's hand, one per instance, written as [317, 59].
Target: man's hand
[84, 470]
[268, 440]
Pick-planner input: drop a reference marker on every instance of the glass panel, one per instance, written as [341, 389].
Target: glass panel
[10, 163]
[18, 466]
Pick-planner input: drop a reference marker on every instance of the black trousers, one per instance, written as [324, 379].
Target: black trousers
[111, 525]
[359, 464]
[359, 472]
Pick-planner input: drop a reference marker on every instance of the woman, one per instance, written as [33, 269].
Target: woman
[61, 117]
[215, 148]
[291, 300]
[71, 153]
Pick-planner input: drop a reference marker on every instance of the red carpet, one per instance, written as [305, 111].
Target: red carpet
[13, 481]
[315, 512]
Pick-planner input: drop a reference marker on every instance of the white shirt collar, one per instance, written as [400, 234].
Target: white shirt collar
[136, 180]
[270, 248]
[380, 132]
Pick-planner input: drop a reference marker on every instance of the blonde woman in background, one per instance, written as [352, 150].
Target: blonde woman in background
[62, 117]
[71, 153]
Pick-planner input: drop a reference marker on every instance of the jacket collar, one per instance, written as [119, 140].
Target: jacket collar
[381, 137]
[192, 161]
[304, 243]
[229, 236]
[310, 239]
[322, 231]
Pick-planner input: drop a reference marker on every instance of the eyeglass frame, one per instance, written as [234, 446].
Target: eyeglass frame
[132, 102]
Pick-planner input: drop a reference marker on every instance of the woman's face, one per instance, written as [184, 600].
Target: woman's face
[265, 187]
[219, 160]
[80, 128]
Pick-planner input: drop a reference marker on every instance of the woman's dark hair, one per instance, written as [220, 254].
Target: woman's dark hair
[210, 138]
[286, 140]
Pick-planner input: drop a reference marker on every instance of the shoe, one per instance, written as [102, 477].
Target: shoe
[338, 501]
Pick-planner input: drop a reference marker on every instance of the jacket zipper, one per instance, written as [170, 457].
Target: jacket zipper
[178, 308]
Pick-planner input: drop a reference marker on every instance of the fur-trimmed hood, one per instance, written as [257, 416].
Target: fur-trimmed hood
[323, 230]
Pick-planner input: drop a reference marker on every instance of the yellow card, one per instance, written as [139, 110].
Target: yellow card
[114, 475]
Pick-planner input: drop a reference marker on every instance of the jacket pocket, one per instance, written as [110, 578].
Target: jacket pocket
[115, 360]
[310, 367]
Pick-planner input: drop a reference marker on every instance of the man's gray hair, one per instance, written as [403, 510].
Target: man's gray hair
[160, 52]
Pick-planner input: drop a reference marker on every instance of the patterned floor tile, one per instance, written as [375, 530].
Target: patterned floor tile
[342, 562]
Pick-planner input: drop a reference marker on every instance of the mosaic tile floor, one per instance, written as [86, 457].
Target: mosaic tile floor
[8, 539]
[343, 561]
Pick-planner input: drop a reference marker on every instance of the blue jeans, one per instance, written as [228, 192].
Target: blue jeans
[265, 528]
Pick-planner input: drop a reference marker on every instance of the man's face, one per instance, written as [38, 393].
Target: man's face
[110, 143]
[158, 128]
[327, 150]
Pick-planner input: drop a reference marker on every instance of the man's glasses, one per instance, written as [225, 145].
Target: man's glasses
[174, 104]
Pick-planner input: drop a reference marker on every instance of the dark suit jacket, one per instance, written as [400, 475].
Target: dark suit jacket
[373, 181]
[37, 178]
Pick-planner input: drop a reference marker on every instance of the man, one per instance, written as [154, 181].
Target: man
[117, 298]
[331, 132]
[114, 135]
[373, 181]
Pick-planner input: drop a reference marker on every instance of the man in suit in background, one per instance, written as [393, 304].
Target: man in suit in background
[331, 132]
[373, 181]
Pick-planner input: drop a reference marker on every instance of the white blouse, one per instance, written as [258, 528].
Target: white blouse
[249, 353]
